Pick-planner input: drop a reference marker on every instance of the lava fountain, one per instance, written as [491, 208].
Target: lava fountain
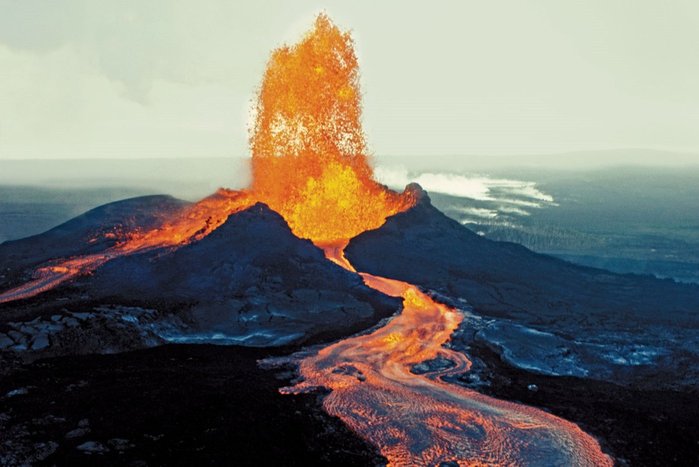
[310, 164]
[309, 157]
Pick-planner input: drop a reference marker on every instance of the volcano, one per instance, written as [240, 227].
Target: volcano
[396, 314]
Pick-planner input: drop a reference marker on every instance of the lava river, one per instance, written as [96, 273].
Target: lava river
[420, 419]
[309, 164]
[190, 225]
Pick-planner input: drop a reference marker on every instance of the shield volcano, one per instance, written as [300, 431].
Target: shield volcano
[314, 250]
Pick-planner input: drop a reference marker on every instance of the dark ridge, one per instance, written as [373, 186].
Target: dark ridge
[83, 234]
[249, 275]
[501, 279]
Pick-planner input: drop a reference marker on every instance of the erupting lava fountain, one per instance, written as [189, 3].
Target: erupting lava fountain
[310, 164]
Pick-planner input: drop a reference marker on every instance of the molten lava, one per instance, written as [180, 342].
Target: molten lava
[419, 419]
[192, 224]
[309, 156]
[309, 163]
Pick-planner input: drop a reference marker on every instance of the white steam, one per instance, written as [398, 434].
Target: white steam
[483, 199]
[480, 188]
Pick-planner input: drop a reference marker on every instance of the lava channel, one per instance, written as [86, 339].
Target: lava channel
[310, 165]
[192, 224]
[420, 419]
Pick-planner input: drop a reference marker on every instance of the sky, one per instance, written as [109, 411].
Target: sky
[164, 78]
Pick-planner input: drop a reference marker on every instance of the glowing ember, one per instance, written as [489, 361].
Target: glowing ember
[309, 157]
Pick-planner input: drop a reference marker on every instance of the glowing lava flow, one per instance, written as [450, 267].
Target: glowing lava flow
[420, 419]
[192, 224]
[310, 165]
[309, 162]
[47, 277]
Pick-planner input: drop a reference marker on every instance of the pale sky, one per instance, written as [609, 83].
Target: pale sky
[135, 79]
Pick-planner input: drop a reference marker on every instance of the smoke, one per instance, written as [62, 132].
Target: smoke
[475, 187]
[480, 200]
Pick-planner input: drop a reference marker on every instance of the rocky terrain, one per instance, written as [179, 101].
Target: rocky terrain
[171, 405]
[615, 353]
[541, 313]
[648, 426]
[249, 282]
[92, 232]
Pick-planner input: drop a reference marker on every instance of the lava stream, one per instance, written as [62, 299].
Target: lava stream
[50, 276]
[310, 165]
[192, 224]
[420, 419]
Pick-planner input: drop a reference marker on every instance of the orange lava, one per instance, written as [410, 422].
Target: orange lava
[192, 224]
[309, 162]
[309, 156]
[420, 419]
[48, 277]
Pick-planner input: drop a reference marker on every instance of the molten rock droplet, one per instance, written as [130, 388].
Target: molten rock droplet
[308, 149]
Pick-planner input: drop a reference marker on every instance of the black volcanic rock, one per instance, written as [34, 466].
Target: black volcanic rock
[251, 281]
[622, 318]
[84, 234]
[179, 405]
[425, 247]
